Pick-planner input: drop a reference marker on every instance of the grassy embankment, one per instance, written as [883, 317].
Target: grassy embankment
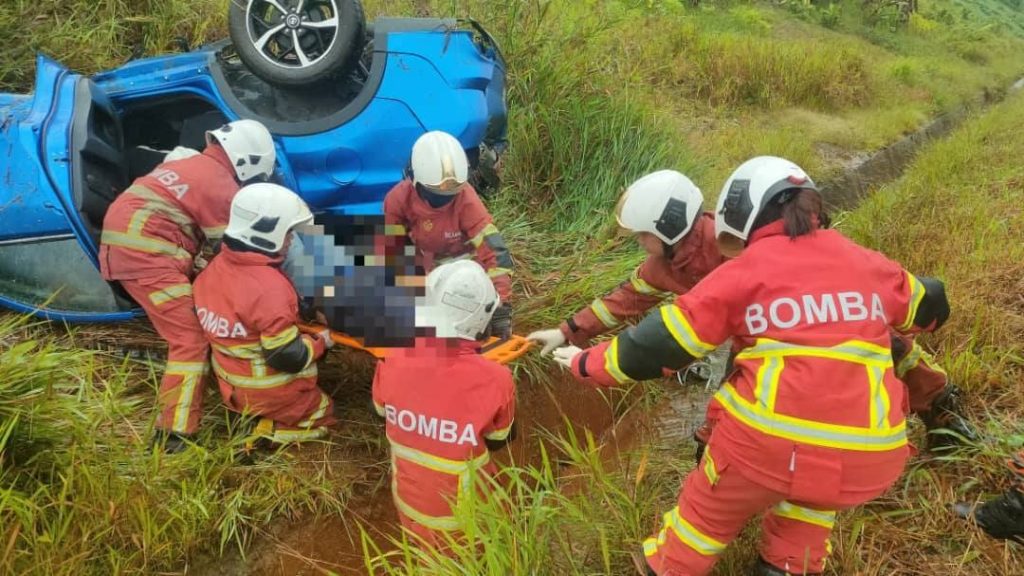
[601, 93]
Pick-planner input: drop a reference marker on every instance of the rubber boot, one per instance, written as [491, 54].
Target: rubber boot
[763, 568]
[1002, 518]
[170, 442]
[945, 414]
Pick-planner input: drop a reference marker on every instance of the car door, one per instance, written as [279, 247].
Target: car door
[47, 240]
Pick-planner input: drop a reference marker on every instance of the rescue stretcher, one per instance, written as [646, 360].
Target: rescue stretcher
[495, 349]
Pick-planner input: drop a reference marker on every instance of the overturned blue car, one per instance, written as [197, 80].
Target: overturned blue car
[344, 102]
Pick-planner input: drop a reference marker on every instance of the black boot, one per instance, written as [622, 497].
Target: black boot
[947, 414]
[170, 442]
[1002, 518]
[765, 569]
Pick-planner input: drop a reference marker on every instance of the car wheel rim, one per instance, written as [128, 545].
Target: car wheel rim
[293, 34]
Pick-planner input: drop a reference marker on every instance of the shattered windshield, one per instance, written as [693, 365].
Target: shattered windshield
[54, 273]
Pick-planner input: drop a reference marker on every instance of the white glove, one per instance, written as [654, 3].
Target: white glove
[565, 354]
[549, 339]
[328, 341]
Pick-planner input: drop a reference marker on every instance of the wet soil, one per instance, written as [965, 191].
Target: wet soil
[334, 544]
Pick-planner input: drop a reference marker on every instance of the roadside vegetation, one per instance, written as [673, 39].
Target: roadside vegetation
[600, 93]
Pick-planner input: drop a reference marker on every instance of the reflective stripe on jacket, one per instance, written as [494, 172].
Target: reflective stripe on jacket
[463, 227]
[656, 279]
[441, 401]
[247, 308]
[813, 398]
[161, 220]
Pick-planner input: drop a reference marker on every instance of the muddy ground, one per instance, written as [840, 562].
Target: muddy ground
[304, 547]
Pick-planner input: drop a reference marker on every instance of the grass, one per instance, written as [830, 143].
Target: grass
[96, 35]
[81, 493]
[600, 93]
[956, 214]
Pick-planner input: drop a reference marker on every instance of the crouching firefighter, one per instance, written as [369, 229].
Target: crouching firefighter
[443, 216]
[446, 406]
[812, 417]
[152, 234]
[248, 309]
[663, 209]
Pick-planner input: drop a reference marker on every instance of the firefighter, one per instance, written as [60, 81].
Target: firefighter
[248, 310]
[446, 407]
[663, 209]
[152, 234]
[1002, 517]
[812, 417]
[443, 216]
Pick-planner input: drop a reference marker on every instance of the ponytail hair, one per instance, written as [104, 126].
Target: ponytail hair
[800, 215]
[800, 210]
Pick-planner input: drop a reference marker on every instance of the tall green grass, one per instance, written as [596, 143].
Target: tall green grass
[580, 510]
[93, 35]
[956, 214]
[80, 492]
[600, 93]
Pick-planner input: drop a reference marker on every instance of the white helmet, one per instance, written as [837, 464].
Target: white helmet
[664, 203]
[439, 162]
[749, 190]
[262, 215]
[248, 145]
[460, 300]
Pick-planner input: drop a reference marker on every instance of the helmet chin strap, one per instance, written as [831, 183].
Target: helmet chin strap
[433, 198]
[668, 250]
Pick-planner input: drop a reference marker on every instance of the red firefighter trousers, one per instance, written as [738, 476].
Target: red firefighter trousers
[167, 300]
[714, 507]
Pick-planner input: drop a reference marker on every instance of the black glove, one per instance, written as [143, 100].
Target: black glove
[501, 322]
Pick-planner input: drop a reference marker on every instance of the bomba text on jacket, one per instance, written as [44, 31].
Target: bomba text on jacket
[784, 313]
[446, 431]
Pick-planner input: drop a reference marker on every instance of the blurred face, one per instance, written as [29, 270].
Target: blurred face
[650, 243]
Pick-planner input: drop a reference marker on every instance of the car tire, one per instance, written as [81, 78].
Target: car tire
[329, 35]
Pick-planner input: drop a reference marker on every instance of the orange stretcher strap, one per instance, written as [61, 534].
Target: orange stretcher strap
[500, 351]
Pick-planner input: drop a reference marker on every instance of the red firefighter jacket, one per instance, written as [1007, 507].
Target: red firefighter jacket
[441, 401]
[813, 407]
[461, 227]
[161, 220]
[694, 257]
[248, 307]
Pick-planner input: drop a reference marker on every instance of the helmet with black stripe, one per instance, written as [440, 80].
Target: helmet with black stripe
[751, 188]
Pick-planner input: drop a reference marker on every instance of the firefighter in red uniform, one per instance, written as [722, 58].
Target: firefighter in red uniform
[445, 218]
[813, 418]
[151, 236]
[663, 210]
[248, 309]
[446, 406]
